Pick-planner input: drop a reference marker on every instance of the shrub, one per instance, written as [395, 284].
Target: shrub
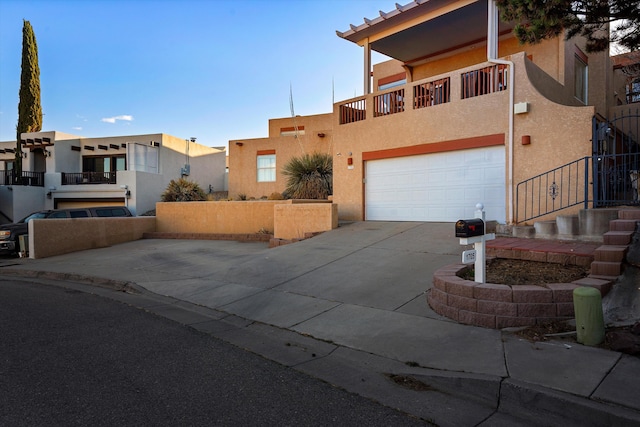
[241, 196]
[309, 176]
[183, 190]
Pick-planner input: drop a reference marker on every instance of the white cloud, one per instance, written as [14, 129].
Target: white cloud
[76, 128]
[124, 117]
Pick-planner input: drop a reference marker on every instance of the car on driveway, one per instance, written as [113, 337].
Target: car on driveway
[10, 233]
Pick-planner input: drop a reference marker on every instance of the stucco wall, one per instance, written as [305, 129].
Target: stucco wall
[216, 217]
[243, 153]
[293, 221]
[295, 217]
[60, 236]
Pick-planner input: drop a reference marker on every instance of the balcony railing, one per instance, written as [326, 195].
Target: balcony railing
[353, 111]
[481, 81]
[88, 178]
[32, 179]
[484, 81]
[431, 93]
[388, 103]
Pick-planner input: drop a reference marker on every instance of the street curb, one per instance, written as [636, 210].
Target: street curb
[123, 286]
[517, 401]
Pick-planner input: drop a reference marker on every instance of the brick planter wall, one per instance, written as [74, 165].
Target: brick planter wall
[498, 306]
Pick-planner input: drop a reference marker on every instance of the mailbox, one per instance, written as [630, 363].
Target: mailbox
[469, 227]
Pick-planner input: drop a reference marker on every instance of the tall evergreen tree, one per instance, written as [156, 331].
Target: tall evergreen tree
[542, 19]
[29, 107]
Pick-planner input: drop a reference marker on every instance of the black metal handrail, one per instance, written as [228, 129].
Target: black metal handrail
[552, 191]
[31, 179]
[81, 178]
[599, 180]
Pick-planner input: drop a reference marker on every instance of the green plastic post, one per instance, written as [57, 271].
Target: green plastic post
[587, 304]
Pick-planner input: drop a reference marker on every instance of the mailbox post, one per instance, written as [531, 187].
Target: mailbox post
[472, 231]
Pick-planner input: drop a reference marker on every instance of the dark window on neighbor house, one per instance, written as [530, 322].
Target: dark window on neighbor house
[103, 164]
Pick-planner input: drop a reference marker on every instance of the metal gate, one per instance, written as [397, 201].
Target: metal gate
[616, 160]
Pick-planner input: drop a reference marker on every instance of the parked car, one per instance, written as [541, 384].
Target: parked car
[10, 233]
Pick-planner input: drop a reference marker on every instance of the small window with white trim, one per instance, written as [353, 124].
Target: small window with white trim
[266, 167]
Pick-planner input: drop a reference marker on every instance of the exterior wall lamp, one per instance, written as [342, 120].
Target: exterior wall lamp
[47, 153]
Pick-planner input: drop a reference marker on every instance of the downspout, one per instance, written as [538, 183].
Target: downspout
[492, 53]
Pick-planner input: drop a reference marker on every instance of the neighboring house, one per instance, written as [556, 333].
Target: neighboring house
[255, 165]
[460, 115]
[62, 170]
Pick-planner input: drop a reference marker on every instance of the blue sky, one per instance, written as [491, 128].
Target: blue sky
[216, 70]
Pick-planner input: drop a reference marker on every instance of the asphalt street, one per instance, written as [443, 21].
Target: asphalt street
[73, 358]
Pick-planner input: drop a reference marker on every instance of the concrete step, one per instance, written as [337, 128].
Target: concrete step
[524, 231]
[604, 268]
[617, 237]
[610, 253]
[568, 225]
[622, 225]
[546, 229]
[629, 214]
[601, 283]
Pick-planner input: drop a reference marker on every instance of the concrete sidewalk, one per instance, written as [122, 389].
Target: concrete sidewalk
[349, 306]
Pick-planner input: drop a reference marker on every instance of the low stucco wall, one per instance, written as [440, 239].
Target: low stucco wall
[60, 236]
[295, 220]
[216, 217]
[286, 219]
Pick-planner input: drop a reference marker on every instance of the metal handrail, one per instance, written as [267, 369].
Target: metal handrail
[27, 178]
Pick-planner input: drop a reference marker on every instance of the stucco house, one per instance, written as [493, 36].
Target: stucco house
[62, 170]
[255, 165]
[462, 113]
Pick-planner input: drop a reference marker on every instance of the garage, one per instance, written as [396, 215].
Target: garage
[438, 187]
[88, 203]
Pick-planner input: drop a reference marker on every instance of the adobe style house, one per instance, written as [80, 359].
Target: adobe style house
[62, 170]
[255, 165]
[461, 114]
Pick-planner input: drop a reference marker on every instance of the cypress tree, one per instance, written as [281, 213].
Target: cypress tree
[29, 107]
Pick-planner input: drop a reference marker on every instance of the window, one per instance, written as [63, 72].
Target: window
[292, 131]
[633, 91]
[581, 75]
[267, 167]
[103, 163]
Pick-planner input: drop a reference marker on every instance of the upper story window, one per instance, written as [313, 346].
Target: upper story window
[266, 162]
[392, 81]
[633, 91]
[581, 76]
[292, 131]
[143, 158]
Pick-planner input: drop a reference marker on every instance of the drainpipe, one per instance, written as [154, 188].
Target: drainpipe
[492, 53]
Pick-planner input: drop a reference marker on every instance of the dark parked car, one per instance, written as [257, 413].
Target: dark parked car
[9, 233]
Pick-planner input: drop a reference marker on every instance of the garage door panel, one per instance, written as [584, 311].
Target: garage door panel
[436, 187]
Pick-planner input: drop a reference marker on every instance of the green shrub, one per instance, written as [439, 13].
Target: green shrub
[309, 176]
[183, 190]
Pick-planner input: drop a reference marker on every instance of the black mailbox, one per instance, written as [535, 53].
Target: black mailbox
[469, 227]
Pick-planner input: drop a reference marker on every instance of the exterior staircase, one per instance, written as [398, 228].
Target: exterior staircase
[613, 228]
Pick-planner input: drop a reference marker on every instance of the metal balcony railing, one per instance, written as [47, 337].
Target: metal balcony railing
[88, 178]
[481, 81]
[32, 179]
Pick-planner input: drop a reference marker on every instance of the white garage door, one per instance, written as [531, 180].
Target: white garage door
[443, 187]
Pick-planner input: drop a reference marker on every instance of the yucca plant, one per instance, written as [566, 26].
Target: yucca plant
[183, 190]
[309, 176]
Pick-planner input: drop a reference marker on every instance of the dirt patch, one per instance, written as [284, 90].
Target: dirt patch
[505, 271]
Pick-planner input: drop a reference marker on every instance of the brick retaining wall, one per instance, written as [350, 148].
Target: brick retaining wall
[498, 306]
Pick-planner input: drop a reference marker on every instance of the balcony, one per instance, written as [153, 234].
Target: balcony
[30, 179]
[426, 93]
[88, 178]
